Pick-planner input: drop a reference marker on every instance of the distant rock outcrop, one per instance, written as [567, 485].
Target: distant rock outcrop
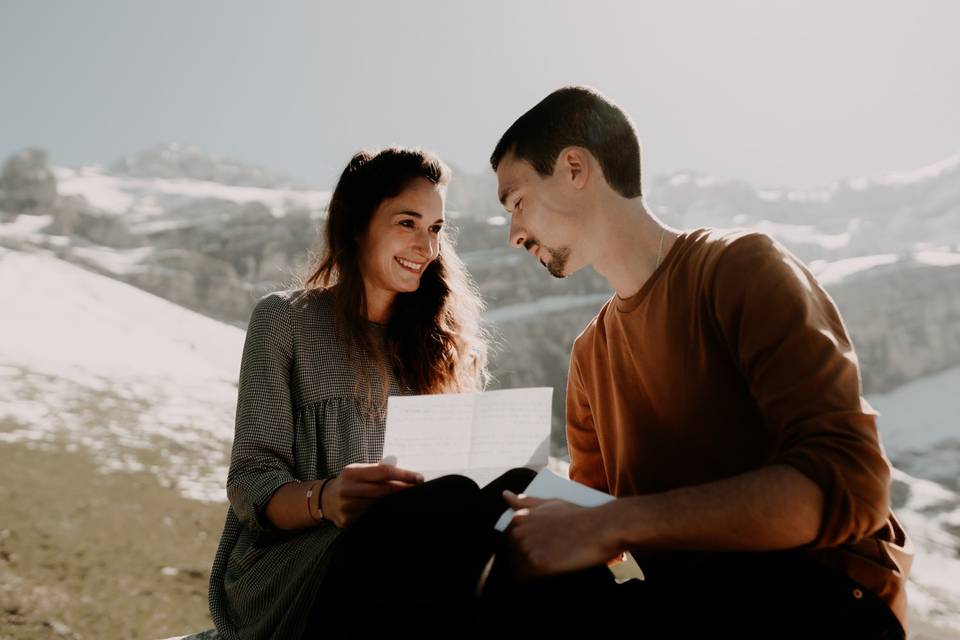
[216, 249]
[189, 161]
[73, 215]
[904, 320]
[27, 185]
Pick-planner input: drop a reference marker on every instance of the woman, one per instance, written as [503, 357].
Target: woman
[318, 524]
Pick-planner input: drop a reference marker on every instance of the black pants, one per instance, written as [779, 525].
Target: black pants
[412, 563]
[781, 594]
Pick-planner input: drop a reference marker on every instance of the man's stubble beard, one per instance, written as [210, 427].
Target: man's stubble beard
[558, 262]
[558, 257]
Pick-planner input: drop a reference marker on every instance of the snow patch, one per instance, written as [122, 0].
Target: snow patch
[121, 195]
[829, 273]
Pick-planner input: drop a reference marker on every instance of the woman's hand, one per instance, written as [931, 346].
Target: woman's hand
[360, 485]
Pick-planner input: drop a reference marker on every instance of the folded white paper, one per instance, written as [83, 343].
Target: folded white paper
[547, 485]
[473, 434]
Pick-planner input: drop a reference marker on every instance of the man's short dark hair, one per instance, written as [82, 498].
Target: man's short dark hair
[582, 117]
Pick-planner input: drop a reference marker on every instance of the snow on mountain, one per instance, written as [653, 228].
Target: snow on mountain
[829, 273]
[92, 362]
[919, 426]
[803, 233]
[942, 257]
[142, 198]
[898, 213]
[913, 176]
[930, 514]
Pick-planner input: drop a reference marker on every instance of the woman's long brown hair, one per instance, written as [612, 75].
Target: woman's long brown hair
[434, 341]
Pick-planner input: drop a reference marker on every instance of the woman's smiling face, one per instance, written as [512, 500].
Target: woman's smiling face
[402, 239]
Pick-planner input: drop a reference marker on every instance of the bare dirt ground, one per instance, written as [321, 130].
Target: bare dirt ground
[90, 555]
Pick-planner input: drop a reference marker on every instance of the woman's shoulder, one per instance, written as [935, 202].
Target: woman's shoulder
[298, 296]
[298, 301]
[300, 311]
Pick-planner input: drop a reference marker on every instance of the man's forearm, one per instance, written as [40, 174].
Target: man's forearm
[775, 507]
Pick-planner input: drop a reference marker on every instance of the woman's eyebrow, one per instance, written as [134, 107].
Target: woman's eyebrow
[416, 214]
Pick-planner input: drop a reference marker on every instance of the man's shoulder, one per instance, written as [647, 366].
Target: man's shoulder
[588, 336]
[724, 241]
[736, 253]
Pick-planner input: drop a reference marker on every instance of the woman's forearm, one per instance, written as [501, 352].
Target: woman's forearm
[290, 508]
[346, 496]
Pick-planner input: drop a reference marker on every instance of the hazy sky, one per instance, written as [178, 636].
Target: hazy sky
[778, 93]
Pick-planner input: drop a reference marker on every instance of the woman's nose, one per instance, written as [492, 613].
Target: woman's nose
[425, 244]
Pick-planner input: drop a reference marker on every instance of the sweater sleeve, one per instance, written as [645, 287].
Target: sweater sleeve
[586, 459]
[262, 458]
[794, 352]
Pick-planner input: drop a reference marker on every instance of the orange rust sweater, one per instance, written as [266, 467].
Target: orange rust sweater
[731, 357]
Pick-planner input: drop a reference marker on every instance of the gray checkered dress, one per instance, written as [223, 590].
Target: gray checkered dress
[300, 416]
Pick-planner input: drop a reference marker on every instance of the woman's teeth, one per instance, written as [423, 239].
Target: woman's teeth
[413, 266]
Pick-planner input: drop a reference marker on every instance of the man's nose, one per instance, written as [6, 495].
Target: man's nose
[517, 233]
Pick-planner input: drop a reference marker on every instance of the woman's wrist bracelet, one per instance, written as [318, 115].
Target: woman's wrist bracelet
[310, 491]
[320, 498]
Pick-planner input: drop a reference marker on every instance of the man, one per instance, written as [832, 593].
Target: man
[716, 395]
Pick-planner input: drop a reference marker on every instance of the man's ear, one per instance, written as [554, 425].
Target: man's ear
[574, 164]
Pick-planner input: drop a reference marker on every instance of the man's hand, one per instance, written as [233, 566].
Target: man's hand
[555, 536]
